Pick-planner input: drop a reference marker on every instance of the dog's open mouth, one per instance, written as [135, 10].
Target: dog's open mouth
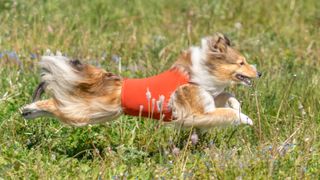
[245, 79]
[38, 91]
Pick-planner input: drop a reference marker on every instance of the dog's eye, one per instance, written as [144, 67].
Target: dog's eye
[75, 62]
[241, 63]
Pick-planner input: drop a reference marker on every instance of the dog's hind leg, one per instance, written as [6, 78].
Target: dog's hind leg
[40, 109]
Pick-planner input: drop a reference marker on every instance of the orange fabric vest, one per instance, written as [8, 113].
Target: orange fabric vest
[143, 96]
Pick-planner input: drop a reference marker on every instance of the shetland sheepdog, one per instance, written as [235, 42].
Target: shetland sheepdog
[189, 94]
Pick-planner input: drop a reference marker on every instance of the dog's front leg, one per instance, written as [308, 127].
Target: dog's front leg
[39, 109]
[192, 106]
[220, 117]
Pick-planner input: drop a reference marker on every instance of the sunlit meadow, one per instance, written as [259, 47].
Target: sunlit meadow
[140, 38]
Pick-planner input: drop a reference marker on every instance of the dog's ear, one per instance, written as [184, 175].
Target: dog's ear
[218, 43]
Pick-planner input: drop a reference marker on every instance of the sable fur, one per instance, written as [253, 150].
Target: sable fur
[82, 94]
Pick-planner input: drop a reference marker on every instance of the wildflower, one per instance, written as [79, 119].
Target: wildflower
[153, 103]
[104, 56]
[238, 25]
[48, 53]
[53, 157]
[175, 151]
[13, 55]
[170, 142]
[208, 165]
[161, 98]
[33, 56]
[301, 109]
[49, 28]
[115, 58]
[29, 142]
[148, 94]
[158, 39]
[58, 53]
[140, 110]
[194, 138]
[160, 103]
[159, 106]
[211, 143]
[241, 165]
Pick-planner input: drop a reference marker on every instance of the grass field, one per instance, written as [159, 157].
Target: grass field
[281, 37]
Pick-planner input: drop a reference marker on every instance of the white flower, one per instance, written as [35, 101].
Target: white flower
[161, 98]
[175, 151]
[148, 94]
[159, 106]
[238, 25]
[160, 102]
[58, 53]
[153, 102]
[48, 53]
[194, 138]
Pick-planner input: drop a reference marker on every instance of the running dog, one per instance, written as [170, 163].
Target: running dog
[189, 94]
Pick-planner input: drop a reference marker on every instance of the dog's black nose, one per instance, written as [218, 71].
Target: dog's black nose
[259, 74]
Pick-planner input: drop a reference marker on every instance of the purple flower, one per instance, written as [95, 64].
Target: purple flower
[175, 151]
[194, 138]
[33, 56]
[13, 55]
[115, 58]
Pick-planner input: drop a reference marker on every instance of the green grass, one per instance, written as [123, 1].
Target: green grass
[281, 37]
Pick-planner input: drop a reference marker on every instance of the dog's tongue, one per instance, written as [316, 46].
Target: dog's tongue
[38, 92]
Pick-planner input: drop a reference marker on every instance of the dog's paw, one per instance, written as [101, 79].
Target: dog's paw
[31, 111]
[243, 119]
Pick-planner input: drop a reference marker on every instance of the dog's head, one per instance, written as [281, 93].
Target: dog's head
[225, 63]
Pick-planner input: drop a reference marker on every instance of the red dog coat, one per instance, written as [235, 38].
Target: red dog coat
[143, 96]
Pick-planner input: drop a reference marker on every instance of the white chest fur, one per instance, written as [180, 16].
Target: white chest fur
[201, 76]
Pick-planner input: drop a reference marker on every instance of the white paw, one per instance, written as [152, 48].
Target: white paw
[31, 111]
[243, 119]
